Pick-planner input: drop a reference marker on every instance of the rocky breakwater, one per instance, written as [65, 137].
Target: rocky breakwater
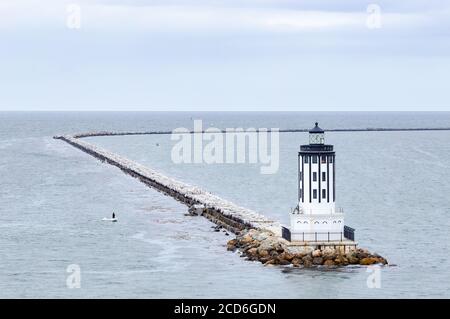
[218, 210]
[269, 249]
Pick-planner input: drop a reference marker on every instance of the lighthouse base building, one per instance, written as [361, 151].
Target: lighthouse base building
[315, 219]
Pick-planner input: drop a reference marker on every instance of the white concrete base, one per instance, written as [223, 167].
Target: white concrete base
[344, 246]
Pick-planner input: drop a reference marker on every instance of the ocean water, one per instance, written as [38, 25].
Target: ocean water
[393, 187]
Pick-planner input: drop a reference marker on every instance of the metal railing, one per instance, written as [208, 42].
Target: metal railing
[347, 234]
[285, 233]
[320, 236]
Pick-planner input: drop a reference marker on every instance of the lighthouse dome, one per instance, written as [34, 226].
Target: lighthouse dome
[316, 129]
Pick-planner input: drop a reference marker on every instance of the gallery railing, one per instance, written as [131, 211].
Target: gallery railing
[286, 233]
[347, 234]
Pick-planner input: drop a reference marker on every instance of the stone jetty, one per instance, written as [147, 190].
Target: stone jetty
[258, 238]
[220, 211]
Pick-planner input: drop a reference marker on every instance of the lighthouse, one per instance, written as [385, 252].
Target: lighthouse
[316, 219]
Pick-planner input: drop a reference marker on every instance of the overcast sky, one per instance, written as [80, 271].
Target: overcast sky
[224, 55]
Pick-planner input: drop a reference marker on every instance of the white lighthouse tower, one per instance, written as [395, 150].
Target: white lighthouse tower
[315, 218]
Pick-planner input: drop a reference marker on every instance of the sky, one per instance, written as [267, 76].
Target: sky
[225, 55]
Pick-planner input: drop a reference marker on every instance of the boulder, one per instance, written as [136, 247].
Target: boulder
[246, 239]
[268, 244]
[297, 262]
[252, 251]
[286, 256]
[352, 259]
[317, 261]
[307, 258]
[282, 261]
[298, 250]
[362, 253]
[300, 255]
[231, 245]
[278, 247]
[317, 253]
[262, 252]
[368, 261]
[341, 260]
[382, 260]
[329, 256]
[252, 244]
[328, 251]
[260, 236]
[274, 253]
[264, 259]
[270, 262]
[329, 263]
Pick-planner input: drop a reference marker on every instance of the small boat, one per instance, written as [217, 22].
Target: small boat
[110, 219]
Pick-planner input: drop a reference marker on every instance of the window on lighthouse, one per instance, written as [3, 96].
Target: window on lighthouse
[324, 176]
[316, 138]
[315, 193]
[314, 159]
[314, 177]
[324, 193]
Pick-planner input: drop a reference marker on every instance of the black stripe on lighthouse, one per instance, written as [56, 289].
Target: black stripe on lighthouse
[328, 179]
[299, 177]
[319, 160]
[334, 178]
[303, 179]
[309, 161]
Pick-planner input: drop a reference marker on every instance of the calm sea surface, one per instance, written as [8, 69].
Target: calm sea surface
[393, 186]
